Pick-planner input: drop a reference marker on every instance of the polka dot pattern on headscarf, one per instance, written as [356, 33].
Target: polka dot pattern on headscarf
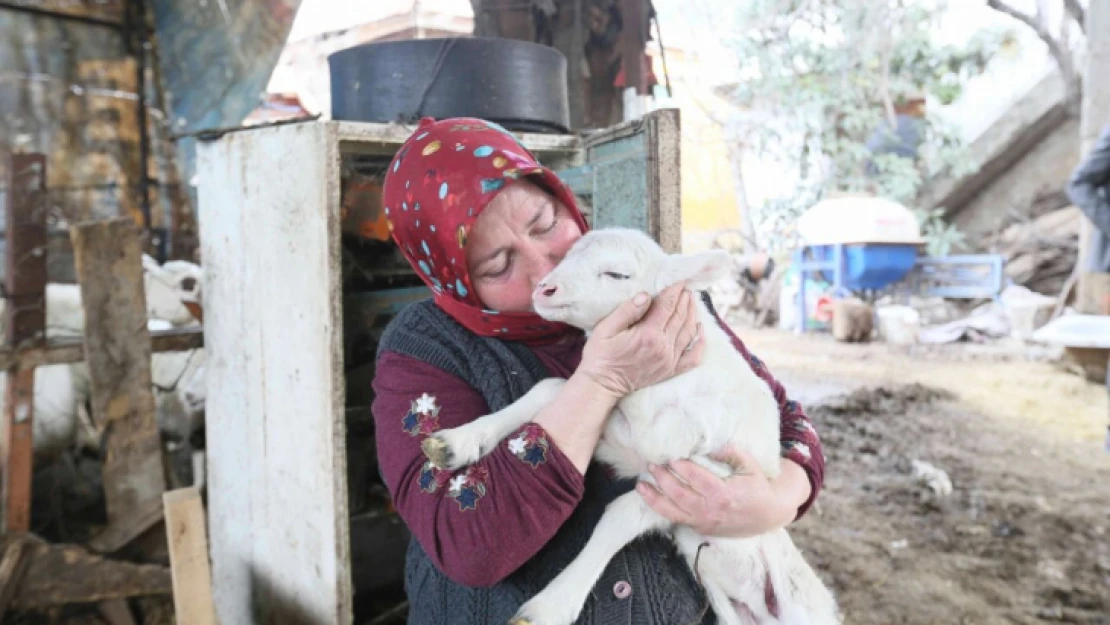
[439, 182]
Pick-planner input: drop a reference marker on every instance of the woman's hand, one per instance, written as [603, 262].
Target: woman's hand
[742, 505]
[638, 345]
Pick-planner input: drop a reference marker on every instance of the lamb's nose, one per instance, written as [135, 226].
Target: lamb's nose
[545, 290]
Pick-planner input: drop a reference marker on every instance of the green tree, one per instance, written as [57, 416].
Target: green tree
[837, 90]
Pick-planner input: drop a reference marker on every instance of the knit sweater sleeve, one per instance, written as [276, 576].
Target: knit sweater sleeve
[482, 522]
[798, 437]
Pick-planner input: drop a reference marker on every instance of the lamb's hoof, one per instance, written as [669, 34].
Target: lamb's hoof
[520, 620]
[438, 451]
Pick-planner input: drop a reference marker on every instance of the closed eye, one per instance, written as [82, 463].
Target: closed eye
[614, 275]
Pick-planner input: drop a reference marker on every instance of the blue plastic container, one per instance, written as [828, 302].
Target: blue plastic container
[871, 265]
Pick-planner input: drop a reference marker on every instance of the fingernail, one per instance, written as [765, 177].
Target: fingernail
[640, 299]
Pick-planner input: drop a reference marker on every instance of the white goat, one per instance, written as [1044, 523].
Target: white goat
[720, 402]
[60, 391]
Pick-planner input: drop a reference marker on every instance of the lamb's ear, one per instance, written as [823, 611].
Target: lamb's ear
[698, 270]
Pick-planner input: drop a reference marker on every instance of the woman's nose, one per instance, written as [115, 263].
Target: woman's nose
[539, 264]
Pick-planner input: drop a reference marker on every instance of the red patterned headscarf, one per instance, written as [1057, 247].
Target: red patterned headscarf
[437, 185]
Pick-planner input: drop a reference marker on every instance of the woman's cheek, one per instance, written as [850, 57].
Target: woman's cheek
[511, 296]
[567, 237]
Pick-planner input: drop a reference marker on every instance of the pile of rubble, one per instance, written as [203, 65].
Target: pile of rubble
[1040, 253]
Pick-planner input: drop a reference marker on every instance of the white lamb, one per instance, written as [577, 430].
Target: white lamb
[718, 403]
[60, 391]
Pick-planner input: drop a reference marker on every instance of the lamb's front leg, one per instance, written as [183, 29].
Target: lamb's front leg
[626, 518]
[457, 447]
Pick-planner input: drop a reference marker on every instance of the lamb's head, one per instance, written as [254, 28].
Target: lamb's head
[609, 266]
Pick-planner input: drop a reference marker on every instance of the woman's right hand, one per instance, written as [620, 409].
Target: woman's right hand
[639, 344]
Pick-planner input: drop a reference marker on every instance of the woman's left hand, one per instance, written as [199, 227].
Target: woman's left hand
[741, 505]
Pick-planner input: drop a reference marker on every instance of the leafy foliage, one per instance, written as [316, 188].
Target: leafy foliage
[833, 89]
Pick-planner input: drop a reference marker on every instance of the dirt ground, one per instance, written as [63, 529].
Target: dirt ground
[1024, 536]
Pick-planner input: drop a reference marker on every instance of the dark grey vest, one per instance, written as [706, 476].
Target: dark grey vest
[664, 591]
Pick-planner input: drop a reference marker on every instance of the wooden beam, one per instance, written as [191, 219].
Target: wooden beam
[384, 139]
[26, 326]
[632, 42]
[108, 255]
[70, 350]
[63, 574]
[187, 535]
[1093, 290]
[116, 612]
[11, 572]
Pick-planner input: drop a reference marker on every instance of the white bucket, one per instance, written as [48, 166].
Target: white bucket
[898, 324]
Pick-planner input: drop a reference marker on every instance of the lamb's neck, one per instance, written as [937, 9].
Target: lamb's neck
[717, 343]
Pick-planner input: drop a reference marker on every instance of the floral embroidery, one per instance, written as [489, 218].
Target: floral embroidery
[757, 364]
[801, 448]
[803, 425]
[791, 406]
[422, 417]
[468, 487]
[530, 445]
[431, 478]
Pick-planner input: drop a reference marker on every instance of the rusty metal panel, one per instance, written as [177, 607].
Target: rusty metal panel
[69, 86]
[69, 89]
[26, 326]
[109, 11]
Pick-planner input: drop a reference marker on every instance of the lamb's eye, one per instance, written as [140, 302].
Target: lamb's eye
[614, 275]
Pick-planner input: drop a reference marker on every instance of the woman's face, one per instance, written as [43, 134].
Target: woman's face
[516, 241]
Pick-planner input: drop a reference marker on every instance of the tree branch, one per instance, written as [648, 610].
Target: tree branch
[1076, 11]
[1030, 21]
[1058, 51]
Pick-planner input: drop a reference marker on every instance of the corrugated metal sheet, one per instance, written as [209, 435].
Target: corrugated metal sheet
[215, 59]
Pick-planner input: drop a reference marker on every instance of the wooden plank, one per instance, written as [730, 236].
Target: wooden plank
[636, 170]
[384, 139]
[188, 541]
[11, 572]
[70, 350]
[274, 411]
[26, 326]
[64, 574]
[1093, 296]
[108, 259]
[120, 533]
[116, 612]
[664, 136]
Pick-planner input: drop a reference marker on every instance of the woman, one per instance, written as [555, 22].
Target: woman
[482, 223]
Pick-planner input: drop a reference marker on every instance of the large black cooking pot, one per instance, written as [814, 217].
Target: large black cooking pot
[518, 84]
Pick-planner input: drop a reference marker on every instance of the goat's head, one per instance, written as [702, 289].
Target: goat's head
[173, 290]
[607, 267]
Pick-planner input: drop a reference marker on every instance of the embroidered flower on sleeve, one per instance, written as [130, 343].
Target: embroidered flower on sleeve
[791, 406]
[422, 417]
[802, 424]
[530, 445]
[801, 448]
[468, 487]
[431, 478]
